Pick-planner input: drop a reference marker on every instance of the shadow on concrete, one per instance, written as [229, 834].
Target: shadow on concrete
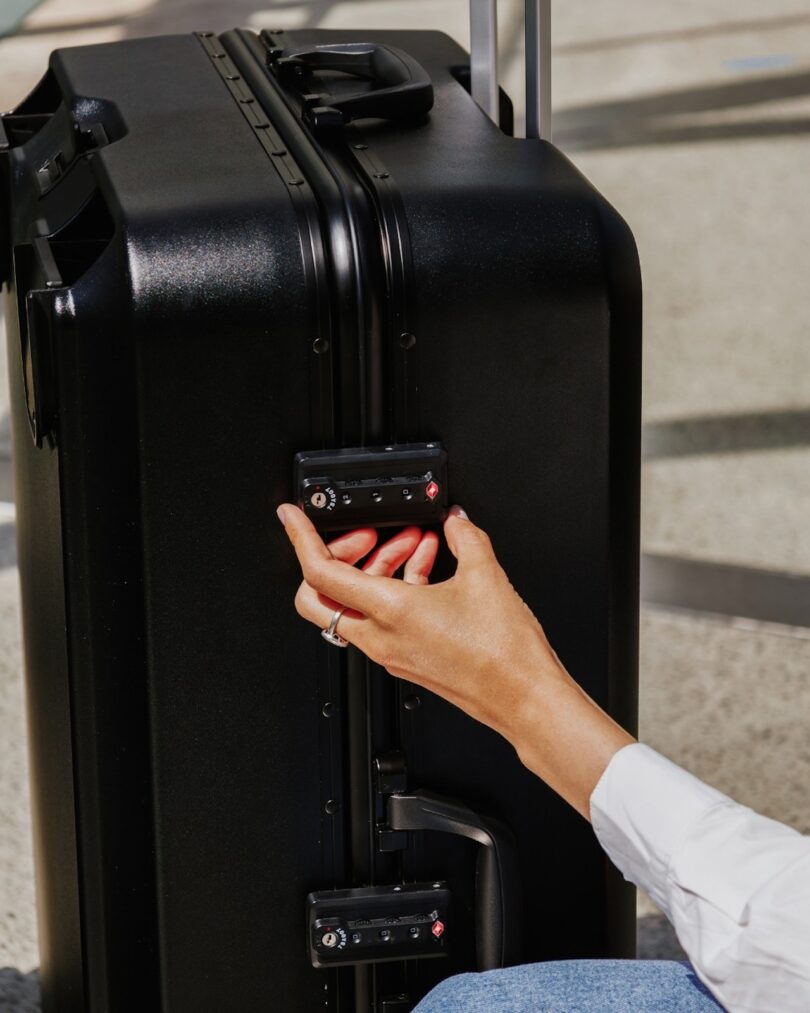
[8, 554]
[657, 939]
[643, 120]
[722, 589]
[19, 991]
[727, 434]
[6, 468]
[686, 34]
[5, 436]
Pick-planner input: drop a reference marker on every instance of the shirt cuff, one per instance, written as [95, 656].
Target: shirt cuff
[642, 809]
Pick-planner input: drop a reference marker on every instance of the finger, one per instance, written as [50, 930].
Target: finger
[354, 545]
[470, 545]
[332, 577]
[418, 567]
[387, 558]
[318, 609]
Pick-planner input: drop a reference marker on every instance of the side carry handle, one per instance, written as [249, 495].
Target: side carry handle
[41, 300]
[497, 880]
[404, 89]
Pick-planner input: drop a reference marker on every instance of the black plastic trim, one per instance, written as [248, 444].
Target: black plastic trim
[401, 326]
[338, 229]
[319, 331]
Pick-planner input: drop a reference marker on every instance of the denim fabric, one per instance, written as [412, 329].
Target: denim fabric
[575, 986]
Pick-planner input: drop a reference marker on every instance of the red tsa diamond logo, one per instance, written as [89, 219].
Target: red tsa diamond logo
[431, 490]
[438, 929]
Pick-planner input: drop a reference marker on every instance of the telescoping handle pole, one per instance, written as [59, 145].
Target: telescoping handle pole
[484, 62]
[538, 69]
[484, 55]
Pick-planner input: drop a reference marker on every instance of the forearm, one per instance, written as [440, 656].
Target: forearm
[560, 733]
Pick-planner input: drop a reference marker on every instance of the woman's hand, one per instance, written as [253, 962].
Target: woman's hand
[463, 638]
[471, 639]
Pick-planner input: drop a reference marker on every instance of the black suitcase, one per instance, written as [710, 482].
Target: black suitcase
[220, 252]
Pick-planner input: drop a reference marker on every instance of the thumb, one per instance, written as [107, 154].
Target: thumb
[470, 545]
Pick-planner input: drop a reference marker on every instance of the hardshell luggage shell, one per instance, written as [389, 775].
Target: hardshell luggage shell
[201, 282]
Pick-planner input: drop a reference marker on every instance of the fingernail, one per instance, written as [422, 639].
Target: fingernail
[282, 516]
[458, 511]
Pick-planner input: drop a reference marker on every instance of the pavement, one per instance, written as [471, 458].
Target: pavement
[694, 120]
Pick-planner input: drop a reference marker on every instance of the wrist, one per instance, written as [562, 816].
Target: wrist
[562, 735]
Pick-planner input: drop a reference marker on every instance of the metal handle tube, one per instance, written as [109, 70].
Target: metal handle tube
[538, 69]
[484, 56]
[484, 62]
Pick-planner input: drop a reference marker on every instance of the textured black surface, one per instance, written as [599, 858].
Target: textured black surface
[192, 708]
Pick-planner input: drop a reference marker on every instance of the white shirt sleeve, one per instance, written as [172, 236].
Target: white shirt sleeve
[735, 885]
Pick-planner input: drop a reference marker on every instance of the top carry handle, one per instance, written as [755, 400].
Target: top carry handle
[484, 62]
[404, 88]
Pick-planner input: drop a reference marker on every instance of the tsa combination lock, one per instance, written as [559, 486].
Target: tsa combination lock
[398, 484]
[377, 923]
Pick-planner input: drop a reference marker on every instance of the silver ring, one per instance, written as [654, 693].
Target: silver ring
[330, 633]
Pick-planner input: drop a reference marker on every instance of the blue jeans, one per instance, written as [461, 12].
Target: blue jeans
[575, 986]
